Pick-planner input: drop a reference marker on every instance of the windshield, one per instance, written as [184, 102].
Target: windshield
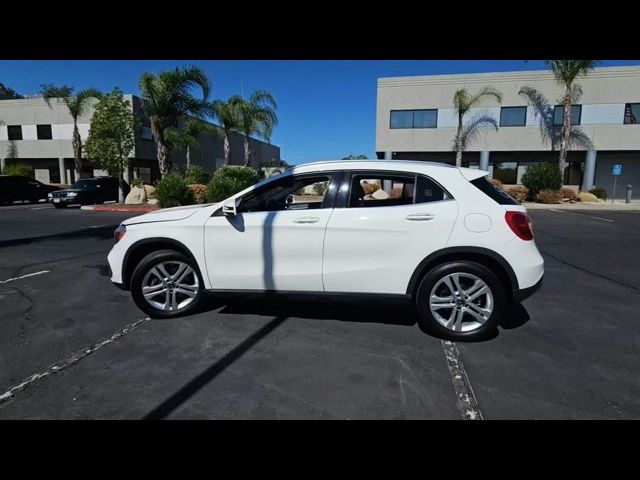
[84, 184]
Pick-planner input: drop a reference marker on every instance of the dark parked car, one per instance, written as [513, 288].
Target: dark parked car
[87, 191]
[14, 188]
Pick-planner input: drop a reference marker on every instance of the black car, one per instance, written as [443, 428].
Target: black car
[87, 191]
[13, 188]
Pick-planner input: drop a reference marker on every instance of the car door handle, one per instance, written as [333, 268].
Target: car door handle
[420, 217]
[306, 220]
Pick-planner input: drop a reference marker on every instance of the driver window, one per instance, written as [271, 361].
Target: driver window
[301, 193]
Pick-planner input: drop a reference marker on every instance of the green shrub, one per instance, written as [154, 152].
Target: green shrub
[172, 191]
[549, 196]
[230, 180]
[18, 169]
[195, 174]
[599, 192]
[542, 176]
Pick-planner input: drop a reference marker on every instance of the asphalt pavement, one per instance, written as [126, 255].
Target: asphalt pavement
[73, 346]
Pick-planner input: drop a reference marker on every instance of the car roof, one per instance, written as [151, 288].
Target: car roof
[413, 166]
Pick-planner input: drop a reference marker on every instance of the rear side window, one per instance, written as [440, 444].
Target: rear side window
[495, 193]
[381, 190]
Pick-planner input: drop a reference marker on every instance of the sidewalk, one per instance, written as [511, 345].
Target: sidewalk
[618, 205]
[121, 207]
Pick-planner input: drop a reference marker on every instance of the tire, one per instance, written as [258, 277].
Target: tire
[473, 314]
[146, 275]
[59, 205]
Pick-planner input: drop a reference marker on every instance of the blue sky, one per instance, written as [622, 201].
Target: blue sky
[326, 108]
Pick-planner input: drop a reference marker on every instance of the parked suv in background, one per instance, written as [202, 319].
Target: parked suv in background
[442, 237]
[14, 188]
[87, 191]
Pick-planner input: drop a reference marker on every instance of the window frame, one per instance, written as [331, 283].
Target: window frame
[344, 191]
[413, 118]
[335, 180]
[502, 109]
[9, 127]
[624, 114]
[561, 107]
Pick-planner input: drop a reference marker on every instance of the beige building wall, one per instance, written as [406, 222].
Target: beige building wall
[606, 91]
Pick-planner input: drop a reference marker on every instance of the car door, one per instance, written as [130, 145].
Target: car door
[383, 225]
[275, 240]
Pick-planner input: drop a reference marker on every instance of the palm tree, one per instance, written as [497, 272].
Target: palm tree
[77, 105]
[227, 114]
[187, 136]
[544, 112]
[463, 102]
[566, 72]
[168, 102]
[257, 117]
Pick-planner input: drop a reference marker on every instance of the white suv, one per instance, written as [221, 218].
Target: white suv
[442, 237]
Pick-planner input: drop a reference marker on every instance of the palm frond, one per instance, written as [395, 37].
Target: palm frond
[566, 71]
[543, 111]
[578, 138]
[472, 129]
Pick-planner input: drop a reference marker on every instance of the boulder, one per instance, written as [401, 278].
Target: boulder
[150, 191]
[136, 196]
[588, 197]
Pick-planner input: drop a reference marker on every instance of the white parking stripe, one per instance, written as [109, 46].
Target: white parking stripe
[71, 360]
[466, 399]
[583, 215]
[24, 276]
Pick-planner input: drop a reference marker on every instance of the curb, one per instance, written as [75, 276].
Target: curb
[106, 208]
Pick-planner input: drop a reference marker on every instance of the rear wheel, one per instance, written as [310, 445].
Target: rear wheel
[167, 284]
[461, 301]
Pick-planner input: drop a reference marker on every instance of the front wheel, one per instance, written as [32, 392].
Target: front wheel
[461, 301]
[166, 284]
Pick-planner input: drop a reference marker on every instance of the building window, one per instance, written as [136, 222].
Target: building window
[632, 113]
[414, 118]
[44, 132]
[558, 115]
[14, 132]
[513, 116]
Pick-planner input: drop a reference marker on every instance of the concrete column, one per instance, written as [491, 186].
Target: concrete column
[2, 164]
[484, 161]
[63, 178]
[589, 170]
[388, 155]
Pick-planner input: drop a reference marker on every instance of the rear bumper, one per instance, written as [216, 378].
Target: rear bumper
[524, 293]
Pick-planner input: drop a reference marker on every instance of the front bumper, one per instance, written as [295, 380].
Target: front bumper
[65, 200]
[524, 293]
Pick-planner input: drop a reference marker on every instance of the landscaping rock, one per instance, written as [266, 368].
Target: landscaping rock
[588, 197]
[150, 191]
[136, 196]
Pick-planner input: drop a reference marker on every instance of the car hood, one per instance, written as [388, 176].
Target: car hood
[166, 214]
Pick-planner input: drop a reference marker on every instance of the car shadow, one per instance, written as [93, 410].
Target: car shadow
[358, 311]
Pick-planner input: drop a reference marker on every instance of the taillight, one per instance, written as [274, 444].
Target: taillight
[520, 223]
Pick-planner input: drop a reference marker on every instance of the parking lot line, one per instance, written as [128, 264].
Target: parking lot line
[466, 399]
[583, 215]
[24, 276]
[71, 360]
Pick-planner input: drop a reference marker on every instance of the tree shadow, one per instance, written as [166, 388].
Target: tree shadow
[168, 406]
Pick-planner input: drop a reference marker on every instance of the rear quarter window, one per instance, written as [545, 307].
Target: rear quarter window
[493, 192]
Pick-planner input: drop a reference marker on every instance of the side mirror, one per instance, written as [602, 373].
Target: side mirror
[290, 199]
[229, 208]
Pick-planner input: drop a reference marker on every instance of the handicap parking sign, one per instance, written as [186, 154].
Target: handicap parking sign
[617, 169]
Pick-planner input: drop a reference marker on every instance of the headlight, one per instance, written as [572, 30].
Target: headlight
[119, 233]
[49, 195]
[72, 194]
